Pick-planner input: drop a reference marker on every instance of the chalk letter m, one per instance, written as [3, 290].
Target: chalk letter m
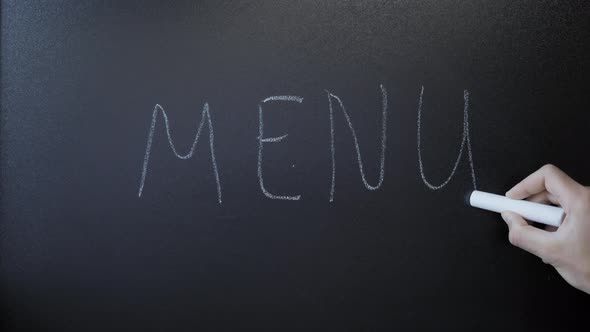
[146, 159]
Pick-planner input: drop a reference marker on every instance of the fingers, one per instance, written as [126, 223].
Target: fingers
[548, 178]
[543, 197]
[536, 241]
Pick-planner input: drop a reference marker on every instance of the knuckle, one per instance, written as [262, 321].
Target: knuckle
[550, 168]
[581, 199]
[515, 236]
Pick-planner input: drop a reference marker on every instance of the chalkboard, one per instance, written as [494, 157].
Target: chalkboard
[282, 165]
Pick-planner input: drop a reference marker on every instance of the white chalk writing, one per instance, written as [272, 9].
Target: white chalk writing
[464, 141]
[204, 115]
[356, 143]
[262, 140]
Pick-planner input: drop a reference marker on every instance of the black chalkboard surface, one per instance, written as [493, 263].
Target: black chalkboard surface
[282, 165]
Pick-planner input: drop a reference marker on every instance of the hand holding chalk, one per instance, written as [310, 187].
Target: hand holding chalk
[568, 247]
[546, 214]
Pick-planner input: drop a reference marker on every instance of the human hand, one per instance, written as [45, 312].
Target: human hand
[566, 248]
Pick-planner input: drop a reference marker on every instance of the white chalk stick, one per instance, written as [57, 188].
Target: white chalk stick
[545, 214]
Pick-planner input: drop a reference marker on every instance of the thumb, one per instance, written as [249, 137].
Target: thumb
[536, 241]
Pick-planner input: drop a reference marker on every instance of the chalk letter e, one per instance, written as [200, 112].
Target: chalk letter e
[262, 140]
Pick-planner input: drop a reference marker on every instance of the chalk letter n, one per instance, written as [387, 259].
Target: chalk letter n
[356, 143]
